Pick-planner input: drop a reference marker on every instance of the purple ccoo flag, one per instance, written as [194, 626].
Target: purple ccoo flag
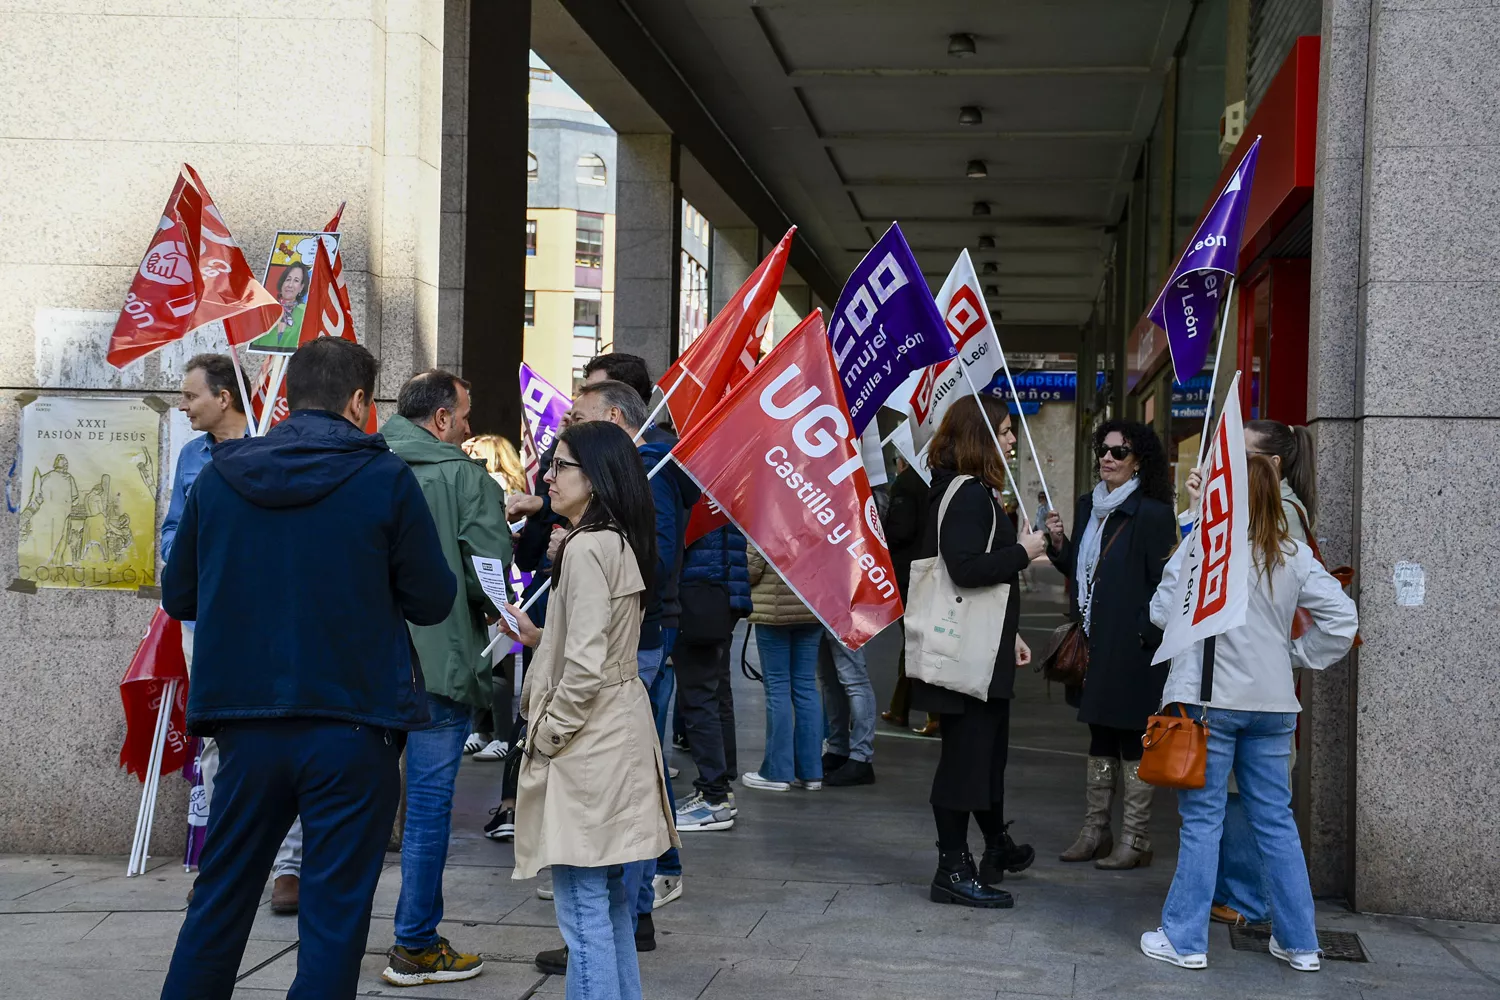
[1187, 306]
[885, 327]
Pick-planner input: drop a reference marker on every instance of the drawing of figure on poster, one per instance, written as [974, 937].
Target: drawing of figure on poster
[90, 512]
[289, 277]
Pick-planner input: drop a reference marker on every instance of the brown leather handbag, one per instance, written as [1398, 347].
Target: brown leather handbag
[1302, 620]
[1067, 661]
[1175, 747]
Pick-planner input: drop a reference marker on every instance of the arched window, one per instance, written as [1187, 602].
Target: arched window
[591, 169]
[530, 166]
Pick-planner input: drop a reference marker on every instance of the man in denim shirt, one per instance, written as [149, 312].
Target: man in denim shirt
[211, 400]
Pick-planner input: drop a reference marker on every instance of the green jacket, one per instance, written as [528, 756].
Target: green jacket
[469, 510]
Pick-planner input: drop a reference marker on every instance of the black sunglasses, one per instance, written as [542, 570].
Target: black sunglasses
[1119, 452]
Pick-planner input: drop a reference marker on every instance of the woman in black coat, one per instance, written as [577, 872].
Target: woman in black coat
[1124, 531]
[975, 734]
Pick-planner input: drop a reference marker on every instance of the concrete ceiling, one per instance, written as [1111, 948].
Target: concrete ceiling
[847, 111]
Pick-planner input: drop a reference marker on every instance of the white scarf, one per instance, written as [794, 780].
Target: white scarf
[1106, 502]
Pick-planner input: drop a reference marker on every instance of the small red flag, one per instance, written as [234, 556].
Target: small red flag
[158, 660]
[193, 273]
[780, 456]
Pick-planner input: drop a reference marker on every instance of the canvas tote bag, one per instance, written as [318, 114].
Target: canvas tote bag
[953, 633]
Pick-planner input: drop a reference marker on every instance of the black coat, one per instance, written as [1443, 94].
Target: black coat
[1122, 688]
[904, 521]
[966, 530]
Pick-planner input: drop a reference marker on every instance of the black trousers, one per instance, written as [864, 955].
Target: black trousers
[707, 705]
[971, 768]
[1107, 741]
[344, 781]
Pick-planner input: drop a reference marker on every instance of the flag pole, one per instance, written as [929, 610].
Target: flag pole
[140, 847]
[239, 374]
[651, 417]
[268, 405]
[1213, 380]
[536, 594]
[1025, 427]
[1020, 504]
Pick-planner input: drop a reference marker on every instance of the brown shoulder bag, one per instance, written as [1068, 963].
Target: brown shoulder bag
[1175, 747]
[1067, 661]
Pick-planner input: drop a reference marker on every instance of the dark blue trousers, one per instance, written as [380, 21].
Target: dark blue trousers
[344, 781]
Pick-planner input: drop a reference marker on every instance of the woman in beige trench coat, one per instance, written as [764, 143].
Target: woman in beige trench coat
[591, 797]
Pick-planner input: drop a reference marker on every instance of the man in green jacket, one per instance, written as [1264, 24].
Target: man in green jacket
[469, 509]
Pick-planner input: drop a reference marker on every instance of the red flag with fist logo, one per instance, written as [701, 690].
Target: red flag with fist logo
[192, 273]
[780, 457]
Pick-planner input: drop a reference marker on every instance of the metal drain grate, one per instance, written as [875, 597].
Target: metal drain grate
[1338, 946]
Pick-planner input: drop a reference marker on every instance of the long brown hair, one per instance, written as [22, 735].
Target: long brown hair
[1268, 528]
[962, 443]
[1294, 446]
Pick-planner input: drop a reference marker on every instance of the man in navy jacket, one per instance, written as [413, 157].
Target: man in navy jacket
[302, 555]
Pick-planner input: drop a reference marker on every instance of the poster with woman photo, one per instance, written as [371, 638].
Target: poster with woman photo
[287, 276]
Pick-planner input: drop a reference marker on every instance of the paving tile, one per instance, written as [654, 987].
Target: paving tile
[974, 967]
[759, 984]
[483, 894]
[498, 981]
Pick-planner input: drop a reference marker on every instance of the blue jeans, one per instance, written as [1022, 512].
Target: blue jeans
[794, 712]
[848, 701]
[1257, 746]
[597, 919]
[344, 781]
[432, 758]
[656, 674]
[1241, 883]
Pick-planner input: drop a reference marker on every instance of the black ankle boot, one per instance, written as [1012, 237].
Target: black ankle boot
[957, 881]
[1003, 855]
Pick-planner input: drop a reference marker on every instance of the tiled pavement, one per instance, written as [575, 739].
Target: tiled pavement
[811, 895]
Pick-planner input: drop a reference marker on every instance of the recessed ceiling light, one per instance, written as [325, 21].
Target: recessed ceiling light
[961, 45]
[991, 291]
[981, 208]
[970, 114]
[990, 267]
[986, 242]
[977, 168]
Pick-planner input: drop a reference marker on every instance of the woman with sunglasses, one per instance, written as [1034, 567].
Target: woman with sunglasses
[591, 797]
[1124, 531]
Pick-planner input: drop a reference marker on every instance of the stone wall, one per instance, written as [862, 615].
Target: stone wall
[285, 110]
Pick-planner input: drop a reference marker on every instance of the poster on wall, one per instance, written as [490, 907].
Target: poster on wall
[288, 276]
[88, 480]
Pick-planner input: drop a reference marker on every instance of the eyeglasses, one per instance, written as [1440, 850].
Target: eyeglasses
[1119, 452]
[559, 464]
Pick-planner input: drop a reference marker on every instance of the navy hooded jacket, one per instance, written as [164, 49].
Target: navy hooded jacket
[674, 494]
[719, 557]
[302, 555]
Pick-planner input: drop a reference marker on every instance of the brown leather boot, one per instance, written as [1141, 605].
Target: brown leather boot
[1134, 847]
[284, 894]
[1095, 840]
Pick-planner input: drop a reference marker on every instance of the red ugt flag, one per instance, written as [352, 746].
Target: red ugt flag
[780, 457]
[193, 273]
[158, 660]
[724, 353]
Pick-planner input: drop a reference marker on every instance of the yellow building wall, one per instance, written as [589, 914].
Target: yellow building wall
[548, 344]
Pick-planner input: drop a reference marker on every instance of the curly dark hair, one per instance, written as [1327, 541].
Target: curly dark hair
[1155, 473]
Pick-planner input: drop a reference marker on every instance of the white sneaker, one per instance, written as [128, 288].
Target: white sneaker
[494, 750]
[667, 888]
[1154, 944]
[1302, 961]
[752, 779]
[698, 814]
[474, 743]
[807, 786]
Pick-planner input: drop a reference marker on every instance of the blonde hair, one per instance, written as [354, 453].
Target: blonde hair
[500, 458]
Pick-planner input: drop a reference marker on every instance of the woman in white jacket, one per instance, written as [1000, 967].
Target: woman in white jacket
[1250, 719]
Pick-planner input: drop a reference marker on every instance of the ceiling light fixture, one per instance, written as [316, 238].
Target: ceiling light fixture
[977, 169]
[992, 291]
[961, 45]
[990, 267]
[981, 208]
[970, 114]
[986, 242]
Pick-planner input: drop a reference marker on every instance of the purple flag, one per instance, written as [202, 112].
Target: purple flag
[197, 831]
[1188, 305]
[885, 327]
[544, 405]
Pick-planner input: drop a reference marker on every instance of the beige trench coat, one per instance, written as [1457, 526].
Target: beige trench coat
[591, 790]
